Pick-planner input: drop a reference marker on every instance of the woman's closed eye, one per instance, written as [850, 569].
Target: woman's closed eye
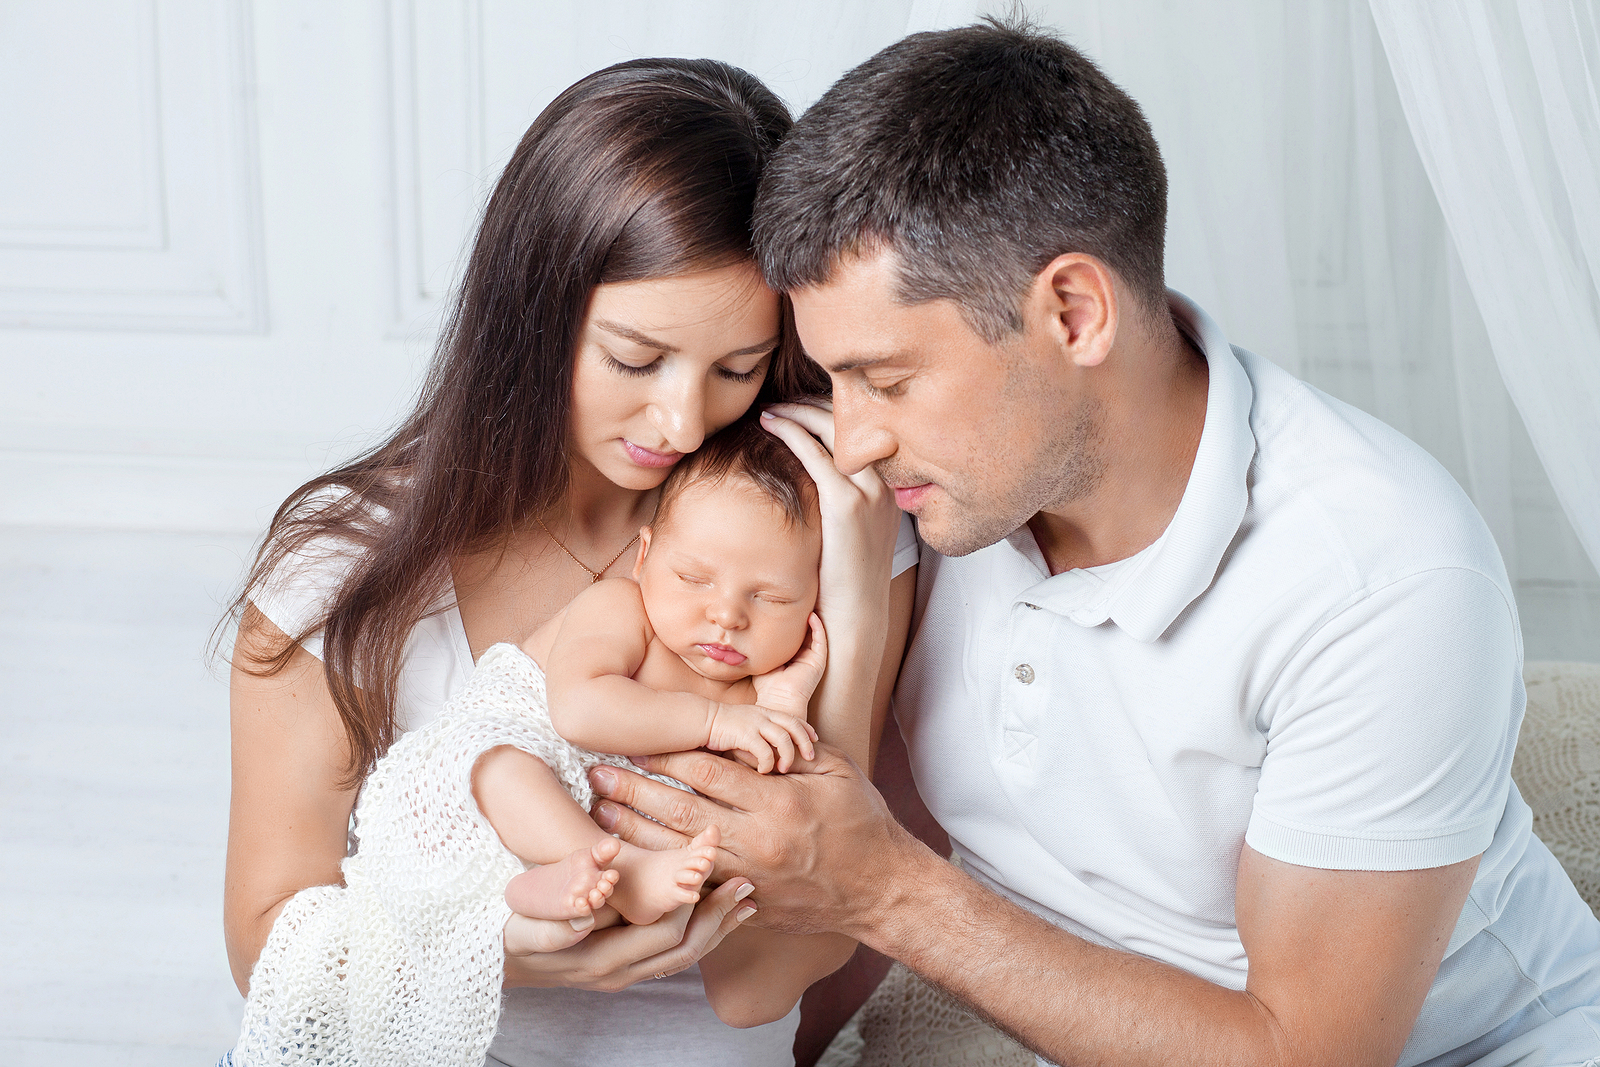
[756, 371]
[632, 370]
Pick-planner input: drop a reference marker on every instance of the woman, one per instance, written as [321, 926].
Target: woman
[609, 318]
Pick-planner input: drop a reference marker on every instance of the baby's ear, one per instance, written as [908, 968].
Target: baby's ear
[644, 547]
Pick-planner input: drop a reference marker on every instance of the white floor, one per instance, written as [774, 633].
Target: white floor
[113, 799]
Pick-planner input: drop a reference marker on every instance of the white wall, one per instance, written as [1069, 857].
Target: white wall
[226, 228]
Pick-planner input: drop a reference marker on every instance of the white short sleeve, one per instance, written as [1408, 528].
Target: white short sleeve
[295, 596]
[907, 548]
[1390, 734]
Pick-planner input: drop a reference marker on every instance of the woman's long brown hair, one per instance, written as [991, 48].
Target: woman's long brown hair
[647, 169]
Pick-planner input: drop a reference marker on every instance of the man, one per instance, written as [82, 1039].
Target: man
[1214, 681]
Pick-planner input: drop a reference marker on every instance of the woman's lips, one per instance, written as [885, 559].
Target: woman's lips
[649, 457]
[722, 654]
[908, 498]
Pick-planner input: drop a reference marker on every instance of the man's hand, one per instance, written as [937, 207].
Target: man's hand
[1340, 961]
[813, 843]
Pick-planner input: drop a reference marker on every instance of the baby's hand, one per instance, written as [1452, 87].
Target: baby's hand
[789, 688]
[769, 737]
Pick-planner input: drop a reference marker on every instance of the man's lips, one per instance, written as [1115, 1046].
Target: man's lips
[649, 457]
[722, 654]
[907, 498]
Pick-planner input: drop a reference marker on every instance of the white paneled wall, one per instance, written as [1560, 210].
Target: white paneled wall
[227, 229]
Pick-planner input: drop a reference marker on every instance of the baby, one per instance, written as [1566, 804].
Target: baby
[714, 645]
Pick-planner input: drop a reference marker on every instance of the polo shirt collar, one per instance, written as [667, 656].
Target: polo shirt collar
[1165, 578]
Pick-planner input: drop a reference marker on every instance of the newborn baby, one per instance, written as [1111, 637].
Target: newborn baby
[716, 646]
[713, 645]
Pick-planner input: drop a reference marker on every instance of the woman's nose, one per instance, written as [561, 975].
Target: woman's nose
[678, 412]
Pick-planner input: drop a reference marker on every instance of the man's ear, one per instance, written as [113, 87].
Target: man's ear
[1076, 294]
[644, 547]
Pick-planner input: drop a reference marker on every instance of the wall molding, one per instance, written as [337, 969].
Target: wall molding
[107, 491]
[193, 262]
[437, 150]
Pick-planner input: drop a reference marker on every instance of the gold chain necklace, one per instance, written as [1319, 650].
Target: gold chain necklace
[594, 575]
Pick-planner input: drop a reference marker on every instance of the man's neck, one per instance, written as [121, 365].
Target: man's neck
[1149, 436]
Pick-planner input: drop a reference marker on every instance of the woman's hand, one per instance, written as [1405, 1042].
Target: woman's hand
[548, 954]
[859, 517]
[859, 524]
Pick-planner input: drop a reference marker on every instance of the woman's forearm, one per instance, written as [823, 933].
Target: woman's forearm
[758, 976]
[864, 654]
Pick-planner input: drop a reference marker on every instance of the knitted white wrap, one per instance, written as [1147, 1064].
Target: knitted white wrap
[402, 966]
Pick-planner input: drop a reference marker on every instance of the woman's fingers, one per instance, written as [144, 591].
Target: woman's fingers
[714, 918]
[524, 936]
[817, 418]
[817, 459]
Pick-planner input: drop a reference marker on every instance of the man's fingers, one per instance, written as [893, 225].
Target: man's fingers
[722, 780]
[673, 808]
[635, 828]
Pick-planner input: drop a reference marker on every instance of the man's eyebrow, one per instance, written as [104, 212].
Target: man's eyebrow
[862, 362]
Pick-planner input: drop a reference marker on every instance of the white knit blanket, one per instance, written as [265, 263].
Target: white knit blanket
[403, 964]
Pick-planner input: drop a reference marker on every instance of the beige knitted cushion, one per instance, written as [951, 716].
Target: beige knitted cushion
[908, 1023]
[1557, 767]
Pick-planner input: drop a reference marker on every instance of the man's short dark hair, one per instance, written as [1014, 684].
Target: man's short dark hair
[977, 155]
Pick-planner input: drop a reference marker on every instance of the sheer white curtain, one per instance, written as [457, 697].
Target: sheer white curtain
[1502, 101]
[1303, 217]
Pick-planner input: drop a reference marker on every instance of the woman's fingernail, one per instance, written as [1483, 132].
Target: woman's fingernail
[743, 891]
[605, 815]
[766, 414]
[745, 913]
[604, 779]
[581, 924]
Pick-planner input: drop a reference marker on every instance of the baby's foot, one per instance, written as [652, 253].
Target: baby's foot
[572, 888]
[654, 883]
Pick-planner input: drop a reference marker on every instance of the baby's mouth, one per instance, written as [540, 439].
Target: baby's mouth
[722, 654]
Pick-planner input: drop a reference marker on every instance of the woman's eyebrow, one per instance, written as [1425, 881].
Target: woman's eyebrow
[763, 347]
[630, 334]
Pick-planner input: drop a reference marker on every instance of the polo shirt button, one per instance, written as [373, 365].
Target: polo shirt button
[1024, 673]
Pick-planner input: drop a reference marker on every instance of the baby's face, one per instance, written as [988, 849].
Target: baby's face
[727, 585]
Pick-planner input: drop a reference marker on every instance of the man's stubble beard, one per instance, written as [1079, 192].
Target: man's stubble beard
[1068, 467]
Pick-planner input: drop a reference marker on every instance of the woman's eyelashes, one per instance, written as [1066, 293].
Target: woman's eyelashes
[756, 370]
[631, 370]
[638, 370]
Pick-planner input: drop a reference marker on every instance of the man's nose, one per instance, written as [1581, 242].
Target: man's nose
[678, 412]
[858, 442]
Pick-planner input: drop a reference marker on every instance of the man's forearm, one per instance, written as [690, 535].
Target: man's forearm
[1070, 1001]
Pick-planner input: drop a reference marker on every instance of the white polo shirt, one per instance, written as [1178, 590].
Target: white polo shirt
[1320, 657]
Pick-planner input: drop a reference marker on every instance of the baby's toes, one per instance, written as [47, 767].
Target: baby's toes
[603, 889]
